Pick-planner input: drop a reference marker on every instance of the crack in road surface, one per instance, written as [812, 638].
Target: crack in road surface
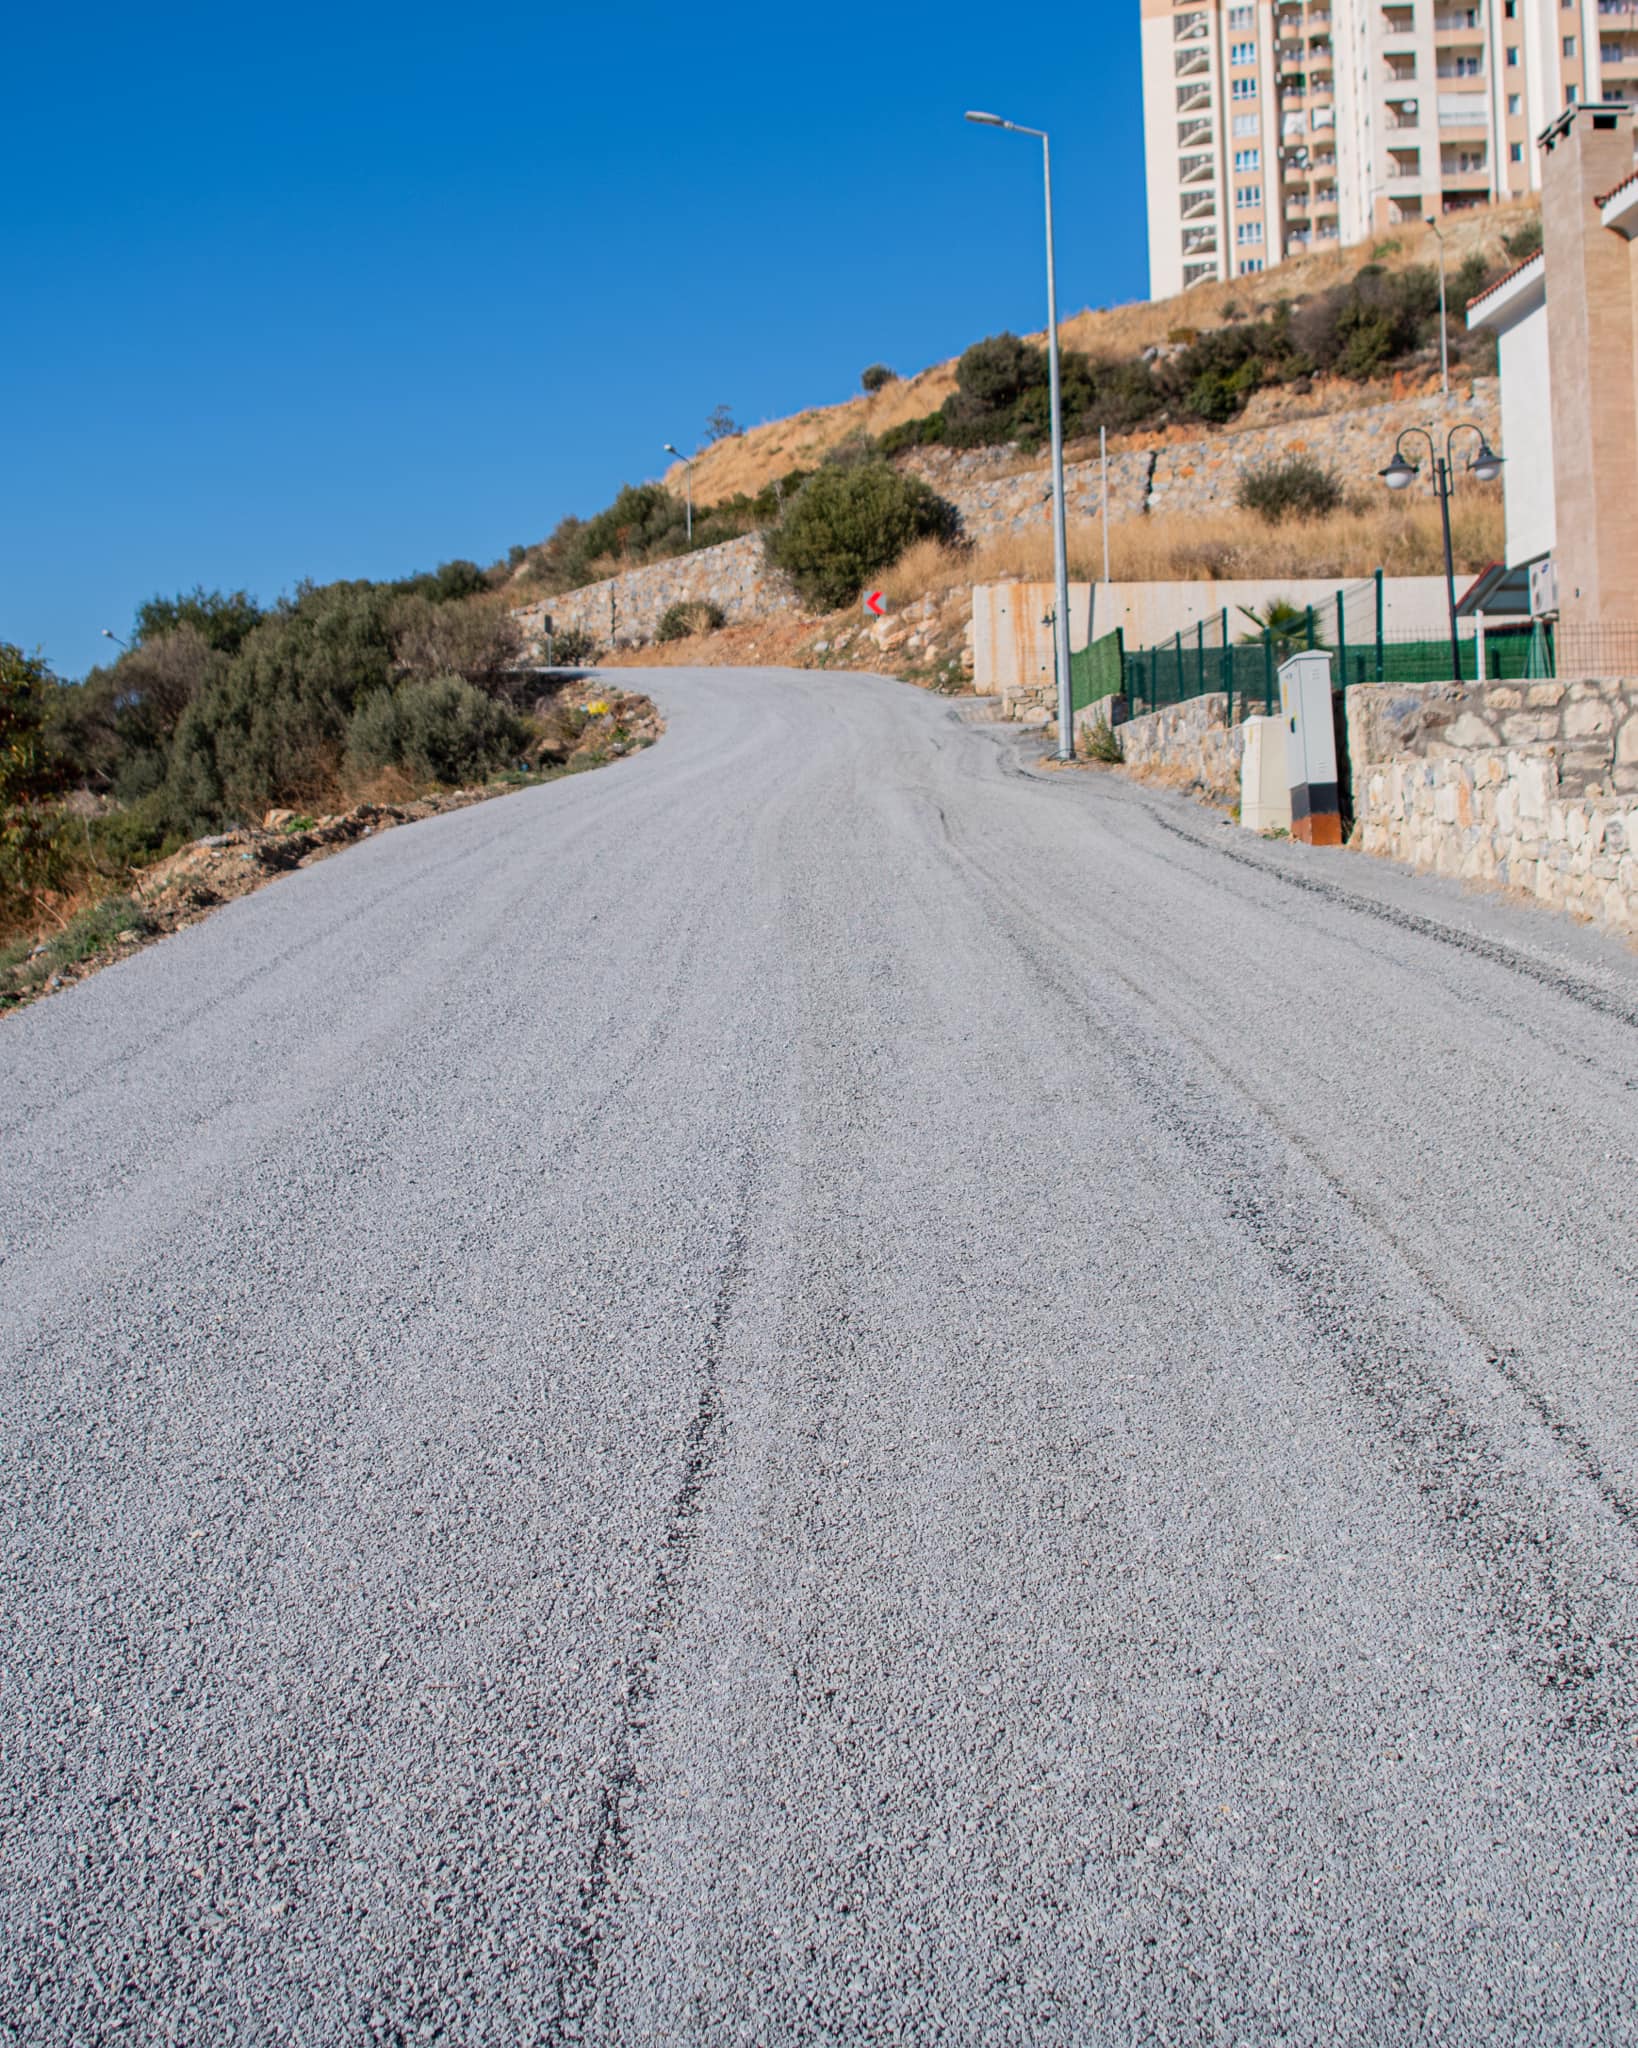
[829, 1390]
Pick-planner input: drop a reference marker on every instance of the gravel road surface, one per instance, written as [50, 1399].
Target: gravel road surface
[824, 1388]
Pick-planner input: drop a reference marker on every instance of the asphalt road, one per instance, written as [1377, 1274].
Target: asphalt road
[819, 1388]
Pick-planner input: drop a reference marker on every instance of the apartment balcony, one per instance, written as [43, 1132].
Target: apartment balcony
[1198, 273]
[1467, 22]
[1194, 134]
[1399, 21]
[1459, 74]
[1197, 95]
[1200, 241]
[1191, 170]
[1189, 27]
[1619, 57]
[1399, 71]
[1475, 115]
[1200, 204]
[1464, 177]
[1194, 61]
[1322, 117]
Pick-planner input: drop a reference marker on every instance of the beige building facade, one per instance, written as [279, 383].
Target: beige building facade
[1566, 324]
[1272, 127]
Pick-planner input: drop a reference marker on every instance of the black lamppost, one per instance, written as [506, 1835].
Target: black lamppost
[1485, 465]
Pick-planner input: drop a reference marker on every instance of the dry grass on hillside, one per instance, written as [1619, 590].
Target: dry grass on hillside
[753, 459]
[1219, 546]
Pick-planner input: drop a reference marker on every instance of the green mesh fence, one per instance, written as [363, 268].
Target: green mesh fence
[1237, 653]
[1097, 671]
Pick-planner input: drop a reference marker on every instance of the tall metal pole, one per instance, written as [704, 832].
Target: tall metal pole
[688, 497]
[1444, 332]
[1103, 458]
[1060, 536]
[1441, 483]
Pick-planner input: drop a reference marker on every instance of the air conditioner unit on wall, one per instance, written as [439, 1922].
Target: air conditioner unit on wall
[1544, 588]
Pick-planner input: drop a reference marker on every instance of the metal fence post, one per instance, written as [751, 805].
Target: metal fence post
[1342, 639]
[1379, 625]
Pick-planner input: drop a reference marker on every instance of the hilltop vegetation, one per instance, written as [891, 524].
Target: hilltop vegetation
[1193, 364]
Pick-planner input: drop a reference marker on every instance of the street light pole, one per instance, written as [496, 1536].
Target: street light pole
[1060, 536]
[687, 462]
[1444, 332]
[1401, 473]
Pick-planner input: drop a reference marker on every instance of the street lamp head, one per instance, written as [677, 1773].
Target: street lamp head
[1486, 465]
[987, 120]
[1399, 474]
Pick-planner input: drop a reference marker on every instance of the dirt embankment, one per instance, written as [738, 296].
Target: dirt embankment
[201, 876]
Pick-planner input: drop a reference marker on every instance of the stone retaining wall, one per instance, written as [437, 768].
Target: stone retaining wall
[1189, 745]
[1186, 476]
[995, 496]
[624, 610]
[1528, 786]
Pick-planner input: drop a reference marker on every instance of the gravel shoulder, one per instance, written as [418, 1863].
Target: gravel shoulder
[827, 1389]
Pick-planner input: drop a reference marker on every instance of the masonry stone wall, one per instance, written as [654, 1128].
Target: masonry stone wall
[996, 494]
[1189, 745]
[624, 610]
[1529, 786]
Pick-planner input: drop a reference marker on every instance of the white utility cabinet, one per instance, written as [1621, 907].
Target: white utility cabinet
[1265, 792]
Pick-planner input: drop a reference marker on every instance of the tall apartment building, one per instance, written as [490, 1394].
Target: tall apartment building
[1275, 126]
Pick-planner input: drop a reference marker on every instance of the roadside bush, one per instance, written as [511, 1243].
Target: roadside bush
[447, 584]
[574, 647]
[1296, 488]
[482, 643]
[31, 772]
[272, 729]
[878, 377]
[1525, 241]
[846, 524]
[439, 729]
[696, 615]
[223, 620]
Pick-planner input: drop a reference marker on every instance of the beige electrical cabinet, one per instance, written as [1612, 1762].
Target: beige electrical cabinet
[1265, 791]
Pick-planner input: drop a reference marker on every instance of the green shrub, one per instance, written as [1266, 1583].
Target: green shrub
[273, 727]
[439, 729]
[223, 620]
[573, 647]
[1103, 742]
[694, 615]
[845, 525]
[1297, 487]
[1525, 240]
[447, 584]
[24, 968]
[878, 377]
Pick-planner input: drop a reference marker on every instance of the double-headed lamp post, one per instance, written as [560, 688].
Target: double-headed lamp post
[1485, 465]
[687, 462]
[1060, 542]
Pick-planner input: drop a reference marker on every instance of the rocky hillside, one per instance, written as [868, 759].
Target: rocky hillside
[751, 461]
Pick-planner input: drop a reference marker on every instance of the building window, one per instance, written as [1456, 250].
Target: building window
[1248, 231]
[1250, 265]
[1515, 103]
[1572, 93]
[1242, 89]
[1512, 10]
[1515, 152]
[1248, 195]
[1245, 124]
[1242, 53]
[1569, 46]
[1512, 56]
[1239, 17]
[1248, 159]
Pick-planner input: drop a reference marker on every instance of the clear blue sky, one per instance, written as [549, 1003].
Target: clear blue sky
[347, 291]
